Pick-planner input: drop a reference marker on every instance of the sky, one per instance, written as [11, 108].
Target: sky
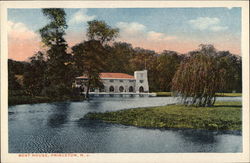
[177, 29]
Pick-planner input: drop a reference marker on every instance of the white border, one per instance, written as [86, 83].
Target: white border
[162, 157]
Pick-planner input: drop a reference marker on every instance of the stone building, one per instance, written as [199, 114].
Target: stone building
[118, 82]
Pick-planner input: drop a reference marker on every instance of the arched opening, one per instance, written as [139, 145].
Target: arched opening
[141, 89]
[131, 89]
[121, 88]
[111, 89]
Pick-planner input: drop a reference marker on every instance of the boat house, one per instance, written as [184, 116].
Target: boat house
[118, 83]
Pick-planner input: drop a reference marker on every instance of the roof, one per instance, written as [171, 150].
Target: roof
[111, 76]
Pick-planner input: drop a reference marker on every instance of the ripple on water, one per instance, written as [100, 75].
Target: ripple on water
[56, 127]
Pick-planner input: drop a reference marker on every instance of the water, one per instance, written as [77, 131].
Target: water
[57, 128]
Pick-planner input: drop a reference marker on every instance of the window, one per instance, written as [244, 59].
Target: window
[121, 80]
[141, 81]
[111, 80]
[121, 88]
[111, 89]
[141, 75]
[141, 89]
[131, 89]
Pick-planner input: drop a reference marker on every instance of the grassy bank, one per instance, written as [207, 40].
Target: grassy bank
[228, 94]
[167, 94]
[16, 100]
[223, 116]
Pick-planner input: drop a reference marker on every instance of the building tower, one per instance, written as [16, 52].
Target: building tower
[141, 84]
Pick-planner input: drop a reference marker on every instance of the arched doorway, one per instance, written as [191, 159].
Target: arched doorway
[121, 88]
[131, 89]
[141, 89]
[111, 89]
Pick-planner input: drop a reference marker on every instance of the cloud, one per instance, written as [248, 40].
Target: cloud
[18, 30]
[22, 42]
[81, 16]
[218, 28]
[152, 35]
[207, 23]
[130, 30]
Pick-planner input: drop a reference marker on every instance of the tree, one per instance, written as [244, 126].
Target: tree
[167, 64]
[101, 31]
[198, 79]
[232, 65]
[58, 67]
[119, 56]
[34, 75]
[89, 57]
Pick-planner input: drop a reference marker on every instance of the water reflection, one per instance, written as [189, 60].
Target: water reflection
[60, 115]
[199, 136]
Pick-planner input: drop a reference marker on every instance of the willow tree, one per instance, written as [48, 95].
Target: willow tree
[198, 78]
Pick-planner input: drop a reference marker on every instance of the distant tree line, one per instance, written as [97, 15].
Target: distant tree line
[51, 73]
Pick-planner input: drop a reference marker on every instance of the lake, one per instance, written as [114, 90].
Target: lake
[57, 128]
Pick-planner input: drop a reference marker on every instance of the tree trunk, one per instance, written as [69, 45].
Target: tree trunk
[87, 92]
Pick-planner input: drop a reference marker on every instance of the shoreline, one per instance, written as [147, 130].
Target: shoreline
[18, 100]
[223, 116]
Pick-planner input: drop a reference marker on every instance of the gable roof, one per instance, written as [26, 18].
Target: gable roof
[111, 76]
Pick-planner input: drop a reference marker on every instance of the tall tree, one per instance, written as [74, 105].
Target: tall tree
[101, 31]
[57, 74]
[205, 72]
[89, 57]
[198, 79]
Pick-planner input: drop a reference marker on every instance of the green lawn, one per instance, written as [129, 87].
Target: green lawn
[166, 94]
[223, 116]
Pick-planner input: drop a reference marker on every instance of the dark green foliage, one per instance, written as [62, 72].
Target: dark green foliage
[15, 68]
[101, 31]
[118, 58]
[168, 63]
[232, 66]
[52, 33]
[34, 75]
[89, 57]
[58, 75]
[224, 116]
[12, 81]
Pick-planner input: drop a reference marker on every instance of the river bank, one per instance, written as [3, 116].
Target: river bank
[223, 116]
[17, 100]
[168, 94]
